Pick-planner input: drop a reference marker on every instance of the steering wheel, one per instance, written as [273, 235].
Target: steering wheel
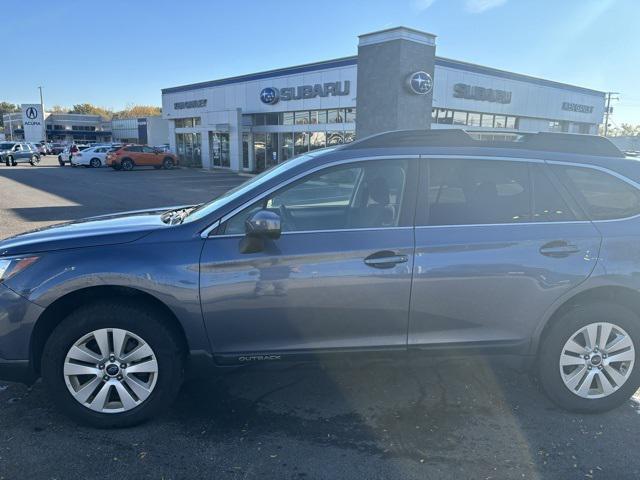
[287, 218]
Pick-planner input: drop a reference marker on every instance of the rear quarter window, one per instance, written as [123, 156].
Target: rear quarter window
[602, 195]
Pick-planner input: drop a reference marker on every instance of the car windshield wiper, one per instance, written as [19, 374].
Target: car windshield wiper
[174, 217]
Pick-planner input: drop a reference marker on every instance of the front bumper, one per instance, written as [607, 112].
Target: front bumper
[17, 318]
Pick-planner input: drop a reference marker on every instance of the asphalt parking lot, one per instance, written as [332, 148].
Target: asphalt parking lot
[427, 418]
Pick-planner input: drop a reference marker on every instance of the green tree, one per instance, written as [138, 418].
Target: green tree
[89, 109]
[58, 109]
[6, 107]
[134, 111]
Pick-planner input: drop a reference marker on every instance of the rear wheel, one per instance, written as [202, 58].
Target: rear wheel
[60, 161]
[35, 159]
[11, 161]
[95, 163]
[126, 164]
[113, 364]
[168, 163]
[587, 362]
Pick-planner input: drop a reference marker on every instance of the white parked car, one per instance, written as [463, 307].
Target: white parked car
[91, 157]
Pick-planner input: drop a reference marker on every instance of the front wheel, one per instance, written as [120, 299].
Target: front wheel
[587, 361]
[168, 163]
[60, 161]
[113, 364]
[126, 164]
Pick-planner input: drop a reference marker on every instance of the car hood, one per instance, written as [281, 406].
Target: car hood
[110, 229]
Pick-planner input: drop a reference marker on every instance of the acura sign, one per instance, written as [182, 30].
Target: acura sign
[33, 122]
[272, 95]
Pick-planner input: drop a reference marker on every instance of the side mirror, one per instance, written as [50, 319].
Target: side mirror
[264, 224]
[261, 225]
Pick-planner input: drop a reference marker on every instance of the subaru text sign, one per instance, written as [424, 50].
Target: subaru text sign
[272, 95]
[474, 92]
[33, 122]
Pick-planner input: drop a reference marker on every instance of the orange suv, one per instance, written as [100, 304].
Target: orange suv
[129, 156]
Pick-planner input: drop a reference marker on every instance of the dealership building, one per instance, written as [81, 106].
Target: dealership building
[396, 81]
[31, 124]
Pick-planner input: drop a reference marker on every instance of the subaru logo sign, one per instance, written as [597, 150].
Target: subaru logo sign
[269, 95]
[420, 83]
[31, 113]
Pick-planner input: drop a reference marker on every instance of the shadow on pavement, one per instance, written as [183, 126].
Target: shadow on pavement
[425, 419]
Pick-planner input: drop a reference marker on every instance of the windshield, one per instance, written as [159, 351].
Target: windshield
[210, 207]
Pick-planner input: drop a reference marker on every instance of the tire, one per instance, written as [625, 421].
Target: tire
[139, 322]
[168, 163]
[34, 160]
[552, 350]
[126, 164]
[11, 161]
[95, 163]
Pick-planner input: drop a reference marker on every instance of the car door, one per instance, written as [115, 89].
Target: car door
[339, 277]
[18, 152]
[496, 243]
[150, 156]
[24, 153]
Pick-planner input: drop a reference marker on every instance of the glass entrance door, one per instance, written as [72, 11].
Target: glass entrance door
[219, 149]
[189, 148]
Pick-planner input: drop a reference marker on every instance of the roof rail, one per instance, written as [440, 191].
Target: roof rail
[543, 141]
[450, 137]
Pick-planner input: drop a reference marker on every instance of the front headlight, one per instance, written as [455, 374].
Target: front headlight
[11, 266]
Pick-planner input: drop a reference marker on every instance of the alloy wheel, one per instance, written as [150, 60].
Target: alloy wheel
[597, 360]
[110, 370]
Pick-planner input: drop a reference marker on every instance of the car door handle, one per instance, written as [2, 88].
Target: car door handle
[558, 249]
[385, 259]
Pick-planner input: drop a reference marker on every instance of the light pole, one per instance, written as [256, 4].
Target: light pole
[44, 125]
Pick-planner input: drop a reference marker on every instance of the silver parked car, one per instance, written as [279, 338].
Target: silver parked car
[12, 153]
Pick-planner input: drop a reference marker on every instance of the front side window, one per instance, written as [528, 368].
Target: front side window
[358, 195]
[602, 195]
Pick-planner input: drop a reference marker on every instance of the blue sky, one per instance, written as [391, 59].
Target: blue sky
[115, 52]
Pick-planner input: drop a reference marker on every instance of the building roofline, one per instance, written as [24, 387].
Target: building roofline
[473, 67]
[278, 72]
[353, 60]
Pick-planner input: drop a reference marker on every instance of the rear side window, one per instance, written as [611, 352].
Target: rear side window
[548, 205]
[603, 196]
[481, 192]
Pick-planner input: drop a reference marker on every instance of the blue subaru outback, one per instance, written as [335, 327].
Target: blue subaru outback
[408, 241]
